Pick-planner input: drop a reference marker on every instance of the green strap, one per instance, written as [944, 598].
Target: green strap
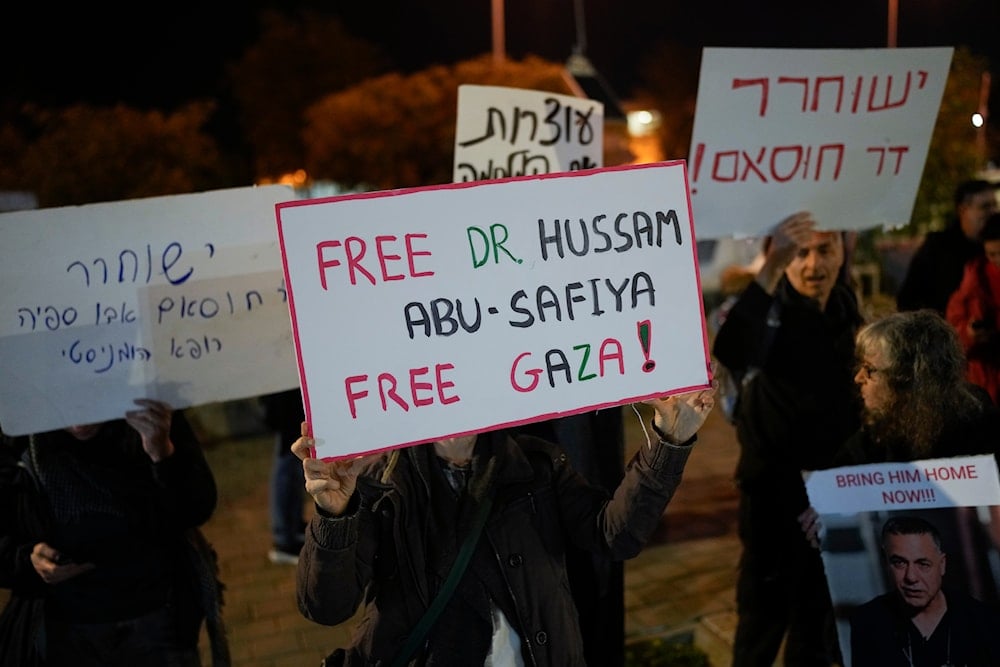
[457, 569]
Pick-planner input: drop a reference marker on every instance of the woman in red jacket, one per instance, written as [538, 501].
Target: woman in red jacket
[974, 311]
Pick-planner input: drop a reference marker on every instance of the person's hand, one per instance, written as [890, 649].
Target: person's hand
[811, 525]
[152, 422]
[680, 416]
[331, 484]
[794, 231]
[53, 567]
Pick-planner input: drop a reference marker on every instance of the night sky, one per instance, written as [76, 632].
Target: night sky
[151, 55]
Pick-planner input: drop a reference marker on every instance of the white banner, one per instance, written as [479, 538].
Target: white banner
[178, 298]
[502, 132]
[843, 133]
[426, 313]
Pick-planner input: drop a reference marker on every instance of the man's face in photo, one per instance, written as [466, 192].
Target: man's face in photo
[917, 567]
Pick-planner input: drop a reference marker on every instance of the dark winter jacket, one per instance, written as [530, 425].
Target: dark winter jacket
[935, 270]
[103, 501]
[803, 403]
[882, 634]
[393, 549]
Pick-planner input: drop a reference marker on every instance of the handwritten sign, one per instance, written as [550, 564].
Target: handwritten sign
[178, 298]
[502, 132]
[427, 313]
[839, 132]
[955, 496]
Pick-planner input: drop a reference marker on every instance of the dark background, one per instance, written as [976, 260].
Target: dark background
[159, 55]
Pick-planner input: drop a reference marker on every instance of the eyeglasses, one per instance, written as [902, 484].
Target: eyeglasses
[868, 371]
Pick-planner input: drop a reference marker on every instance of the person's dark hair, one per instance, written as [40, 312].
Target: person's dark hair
[991, 230]
[911, 525]
[926, 374]
[970, 188]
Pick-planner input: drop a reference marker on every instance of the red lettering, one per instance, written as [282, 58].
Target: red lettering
[533, 373]
[418, 386]
[387, 389]
[355, 249]
[444, 384]
[351, 394]
[411, 253]
[421, 392]
[384, 258]
[325, 264]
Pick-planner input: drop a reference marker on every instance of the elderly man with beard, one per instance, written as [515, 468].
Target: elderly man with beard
[792, 330]
[921, 620]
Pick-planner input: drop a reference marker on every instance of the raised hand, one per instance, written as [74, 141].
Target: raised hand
[330, 483]
[680, 416]
[794, 231]
[152, 422]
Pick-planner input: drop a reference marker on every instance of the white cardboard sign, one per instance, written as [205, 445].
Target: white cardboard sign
[958, 496]
[502, 132]
[178, 298]
[843, 133]
[431, 312]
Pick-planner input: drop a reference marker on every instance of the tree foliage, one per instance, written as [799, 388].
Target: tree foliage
[296, 61]
[953, 156]
[399, 131]
[85, 154]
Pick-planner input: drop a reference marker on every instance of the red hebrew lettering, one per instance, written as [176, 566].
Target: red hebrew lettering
[781, 164]
[799, 80]
[898, 150]
[886, 104]
[751, 165]
[839, 148]
[796, 159]
[763, 83]
[838, 81]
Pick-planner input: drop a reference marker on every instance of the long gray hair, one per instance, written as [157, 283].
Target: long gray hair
[926, 374]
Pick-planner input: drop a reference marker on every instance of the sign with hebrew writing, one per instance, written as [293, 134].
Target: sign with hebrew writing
[176, 298]
[937, 514]
[426, 313]
[502, 132]
[842, 133]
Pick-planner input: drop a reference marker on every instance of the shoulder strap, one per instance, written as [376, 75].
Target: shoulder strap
[457, 569]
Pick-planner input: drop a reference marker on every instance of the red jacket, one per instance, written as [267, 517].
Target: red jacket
[977, 300]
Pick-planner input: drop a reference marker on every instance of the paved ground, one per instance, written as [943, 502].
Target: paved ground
[682, 582]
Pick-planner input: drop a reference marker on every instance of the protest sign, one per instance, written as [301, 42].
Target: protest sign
[502, 132]
[959, 496]
[177, 298]
[842, 133]
[427, 313]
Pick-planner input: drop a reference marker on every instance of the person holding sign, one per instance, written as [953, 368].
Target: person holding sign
[920, 621]
[99, 543]
[918, 405]
[393, 532]
[790, 336]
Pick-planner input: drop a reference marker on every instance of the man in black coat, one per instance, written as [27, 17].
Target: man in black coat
[793, 330]
[936, 269]
[920, 622]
